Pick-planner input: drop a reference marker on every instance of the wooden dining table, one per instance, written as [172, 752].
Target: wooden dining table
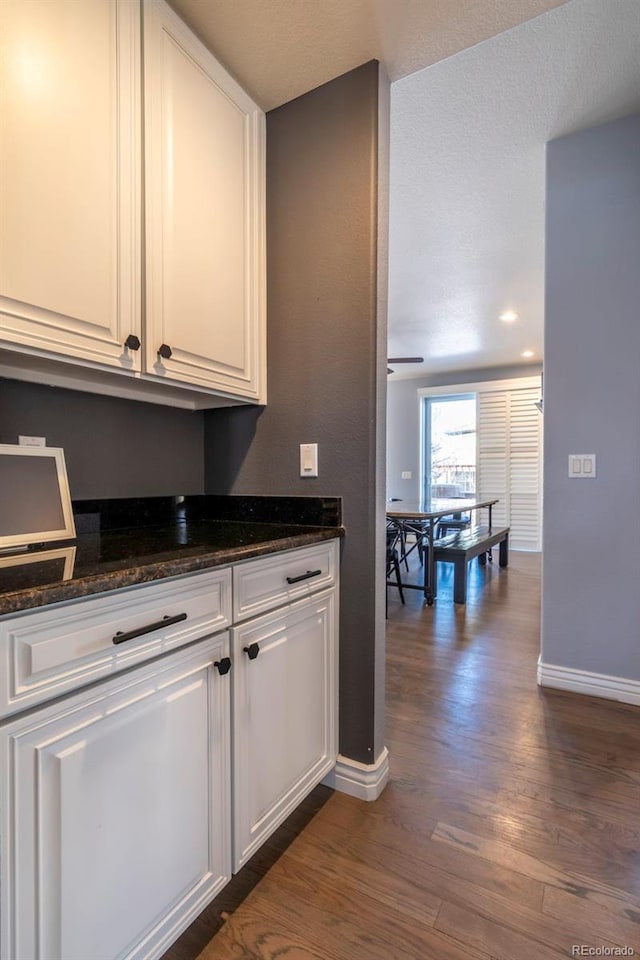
[426, 513]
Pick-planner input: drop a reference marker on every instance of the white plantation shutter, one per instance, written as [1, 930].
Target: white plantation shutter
[492, 467]
[525, 470]
[510, 462]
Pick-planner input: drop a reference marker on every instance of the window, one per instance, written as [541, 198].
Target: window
[508, 442]
[450, 446]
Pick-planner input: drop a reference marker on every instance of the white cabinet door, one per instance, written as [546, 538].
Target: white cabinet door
[284, 714]
[115, 812]
[204, 166]
[70, 179]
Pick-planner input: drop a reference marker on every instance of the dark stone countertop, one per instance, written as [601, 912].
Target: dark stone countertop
[122, 543]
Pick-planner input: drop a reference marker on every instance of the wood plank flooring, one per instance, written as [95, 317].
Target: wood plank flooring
[510, 828]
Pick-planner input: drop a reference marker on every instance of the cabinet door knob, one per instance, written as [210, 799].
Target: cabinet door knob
[164, 351]
[252, 651]
[223, 665]
[132, 342]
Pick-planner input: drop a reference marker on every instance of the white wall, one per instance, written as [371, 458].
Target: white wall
[591, 565]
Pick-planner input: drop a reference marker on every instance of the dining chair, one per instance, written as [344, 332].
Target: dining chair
[393, 562]
[446, 524]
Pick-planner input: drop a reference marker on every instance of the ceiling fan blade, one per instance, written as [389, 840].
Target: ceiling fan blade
[405, 359]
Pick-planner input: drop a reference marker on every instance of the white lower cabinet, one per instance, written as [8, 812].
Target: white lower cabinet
[284, 715]
[126, 805]
[115, 805]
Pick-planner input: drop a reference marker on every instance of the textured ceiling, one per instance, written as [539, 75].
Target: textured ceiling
[467, 178]
[480, 86]
[279, 49]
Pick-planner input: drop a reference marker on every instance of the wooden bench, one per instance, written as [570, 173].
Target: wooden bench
[461, 547]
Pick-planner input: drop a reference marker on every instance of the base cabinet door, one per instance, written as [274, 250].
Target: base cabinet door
[116, 812]
[284, 714]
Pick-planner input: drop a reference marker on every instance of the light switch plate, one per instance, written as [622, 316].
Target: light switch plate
[406, 474]
[582, 466]
[308, 459]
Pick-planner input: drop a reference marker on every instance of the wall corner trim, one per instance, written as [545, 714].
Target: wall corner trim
[366, 781]
[588, 684]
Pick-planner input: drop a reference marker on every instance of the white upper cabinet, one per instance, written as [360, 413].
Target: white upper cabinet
[204, 171]
[72, 173]
[70, 178]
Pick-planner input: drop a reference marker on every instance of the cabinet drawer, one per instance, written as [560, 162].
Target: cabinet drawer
[48, 652]
[261, 585]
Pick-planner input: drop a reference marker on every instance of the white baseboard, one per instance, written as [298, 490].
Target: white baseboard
[590, 684]
[363, 780]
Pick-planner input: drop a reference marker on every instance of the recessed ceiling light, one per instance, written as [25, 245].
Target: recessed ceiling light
[508, 316]
[527, 353]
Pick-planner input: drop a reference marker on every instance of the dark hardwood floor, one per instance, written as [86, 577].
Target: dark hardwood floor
[510, 828]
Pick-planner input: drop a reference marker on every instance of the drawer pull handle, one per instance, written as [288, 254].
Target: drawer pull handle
[223, 666]
[167, 621]
[304, 576]
[252, 651]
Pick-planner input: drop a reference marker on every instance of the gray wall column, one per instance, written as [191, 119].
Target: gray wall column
[591, 606]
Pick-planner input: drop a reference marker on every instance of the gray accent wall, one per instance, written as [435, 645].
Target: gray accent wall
[380, 440]
[591, 564]
[403, 420]
[113, 447]
[326, 362]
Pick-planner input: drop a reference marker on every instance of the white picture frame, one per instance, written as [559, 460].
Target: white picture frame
[68, 530]
[68, 554]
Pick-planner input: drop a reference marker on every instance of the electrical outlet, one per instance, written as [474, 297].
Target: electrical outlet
[406, 474]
